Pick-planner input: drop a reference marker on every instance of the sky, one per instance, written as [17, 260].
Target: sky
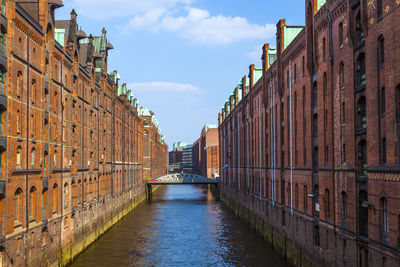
[183, 58]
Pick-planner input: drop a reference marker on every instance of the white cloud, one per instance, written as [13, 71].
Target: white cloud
[199, 26]
[256, 53]
[105, 9]
[164, 87]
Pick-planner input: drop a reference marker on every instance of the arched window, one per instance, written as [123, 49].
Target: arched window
[55, 198]
[381, 51]
[18, 159]
[32, 204]
[74, 196]
[327, 205]
[362, 158]
[303, 66]
[340, 34]
[360, 70]
[33, 158]
[379, 8]
[384, 223]
[344, 208]
[361, 114]
[18, 209]
[19, 83]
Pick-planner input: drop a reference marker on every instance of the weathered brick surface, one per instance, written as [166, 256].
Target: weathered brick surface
[313, 184]
[71, 142]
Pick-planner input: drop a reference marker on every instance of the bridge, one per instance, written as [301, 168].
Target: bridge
[179, 179]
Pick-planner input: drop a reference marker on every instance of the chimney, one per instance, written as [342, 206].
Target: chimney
[265, 57]
[251, 75]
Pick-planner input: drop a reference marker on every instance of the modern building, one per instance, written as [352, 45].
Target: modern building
[71, 144]
[310, 142]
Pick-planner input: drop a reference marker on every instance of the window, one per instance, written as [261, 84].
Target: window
[384, 224]
[303, 66]
[344, 153]
[344, 208]
[327, 205]
[324, 49]
[305, 199]
[18, 160]
[66, 195]
[55, 198]
[315, 125]
[359, 30]
[341, 75]
[340, 34]
[363, 213]
[316, 236]
[33, 96]
[18, 207]
[379, 8]
[55, 159]
[32, 204]
[315, 95]
[383, 102]
[383, 151]
[360, 70]
[343, 117]
[19, 83]
[18, 122]
[381, 51]
[362, 158]
[361, 114]
[33, 158]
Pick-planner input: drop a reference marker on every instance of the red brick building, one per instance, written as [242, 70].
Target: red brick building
[309, 143]
[71, 137]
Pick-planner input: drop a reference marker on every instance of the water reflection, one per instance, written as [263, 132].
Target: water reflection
[183, 226]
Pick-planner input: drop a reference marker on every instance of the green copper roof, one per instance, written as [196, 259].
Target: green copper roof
[59, 35]
[257, 75]
[320, 3]
[291, 33]
[271, 56]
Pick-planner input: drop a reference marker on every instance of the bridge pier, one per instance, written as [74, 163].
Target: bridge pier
[149, 193]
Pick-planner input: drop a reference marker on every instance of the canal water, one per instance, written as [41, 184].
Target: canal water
[183, 226]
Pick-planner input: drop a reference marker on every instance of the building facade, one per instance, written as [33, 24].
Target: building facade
[309, 143]
[71, 140]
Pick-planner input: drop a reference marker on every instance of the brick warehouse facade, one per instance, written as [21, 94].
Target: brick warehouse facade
[310, 143]
[72, 138]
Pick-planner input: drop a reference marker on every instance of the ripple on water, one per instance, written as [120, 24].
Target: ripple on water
[183, 226]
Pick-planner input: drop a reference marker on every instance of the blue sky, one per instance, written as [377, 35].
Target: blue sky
[182, 58]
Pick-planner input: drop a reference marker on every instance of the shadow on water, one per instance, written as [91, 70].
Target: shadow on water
[182, 226]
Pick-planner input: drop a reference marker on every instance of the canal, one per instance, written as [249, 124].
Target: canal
[183, 226]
